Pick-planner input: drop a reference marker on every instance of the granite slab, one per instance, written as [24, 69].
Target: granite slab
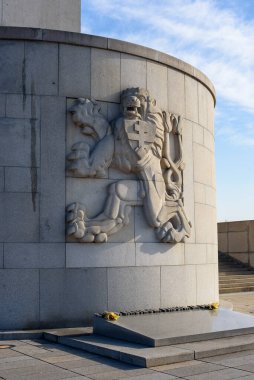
[162, 329]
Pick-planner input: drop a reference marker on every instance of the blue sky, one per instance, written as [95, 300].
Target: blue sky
[216, 36]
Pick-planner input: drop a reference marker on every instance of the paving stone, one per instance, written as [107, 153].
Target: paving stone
[194, 369]
[154, 376]
[232, 360]
[246, 367]
[225, 374]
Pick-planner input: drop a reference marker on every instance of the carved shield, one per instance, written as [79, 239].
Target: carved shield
[141, 135]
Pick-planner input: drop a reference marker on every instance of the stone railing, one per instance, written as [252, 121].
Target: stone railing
[237, 240]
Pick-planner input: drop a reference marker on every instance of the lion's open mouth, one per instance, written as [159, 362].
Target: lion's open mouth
[132, 111]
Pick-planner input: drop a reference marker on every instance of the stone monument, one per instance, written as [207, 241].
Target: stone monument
[105, 142]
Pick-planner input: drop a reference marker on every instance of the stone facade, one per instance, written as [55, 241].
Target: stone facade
[46, 279]
[237, 240]
[48, 14]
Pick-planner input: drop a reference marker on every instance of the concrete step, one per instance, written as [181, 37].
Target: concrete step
[233, 269]
[233, 289]
[150, 340]
[236, 281]
[144, 356]
[237, 275]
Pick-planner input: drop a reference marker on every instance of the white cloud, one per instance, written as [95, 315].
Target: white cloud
[218, 41]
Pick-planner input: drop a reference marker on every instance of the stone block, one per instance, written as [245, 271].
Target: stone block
[203, 94]
[1, 179]
[25, 180]
[178, 293]
[205, 224]
[208, 140]
[133, 71]
[1, 255]
[12, 66]
[188, 186]
[238, 226]
[241, 256]
[23, 106]
[99, 255]
[191, 99]
[19, 217]
[203, 165]
[105, 75]
[206, 278]
[74, 71]
[195, 254]
[133, 288]
[2, 105]
[200, 192]
[198, 134]
[157, 78]
[210, 196]
[251, 259]
[223, 227]
[152, 254]
[19, 295]
[210, 113]
[19, 142]
[70, 297]
[238, 241]
[212, 253]
[223, 242]
[60, 14]
[52, 199]
[176, 98]
[144, 233]
[34, 255]
[251, 235]
[41, 68]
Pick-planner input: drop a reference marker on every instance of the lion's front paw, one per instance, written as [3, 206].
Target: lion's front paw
[165, 232]
[75, 219]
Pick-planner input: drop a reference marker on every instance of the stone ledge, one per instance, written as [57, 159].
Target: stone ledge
[19, 33]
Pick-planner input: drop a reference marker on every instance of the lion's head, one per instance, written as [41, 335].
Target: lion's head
[86, 115]
[137, 103]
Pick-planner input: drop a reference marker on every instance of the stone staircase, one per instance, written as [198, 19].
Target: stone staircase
[234, 276]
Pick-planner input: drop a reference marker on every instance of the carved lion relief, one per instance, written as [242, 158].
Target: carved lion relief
[139, 141]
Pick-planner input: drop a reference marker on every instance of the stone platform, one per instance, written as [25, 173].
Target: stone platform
[160, 339]
[165, 329]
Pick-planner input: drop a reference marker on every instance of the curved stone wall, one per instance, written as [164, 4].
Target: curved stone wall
[45, 279]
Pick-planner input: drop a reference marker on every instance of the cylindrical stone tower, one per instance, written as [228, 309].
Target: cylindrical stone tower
[49, 280]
